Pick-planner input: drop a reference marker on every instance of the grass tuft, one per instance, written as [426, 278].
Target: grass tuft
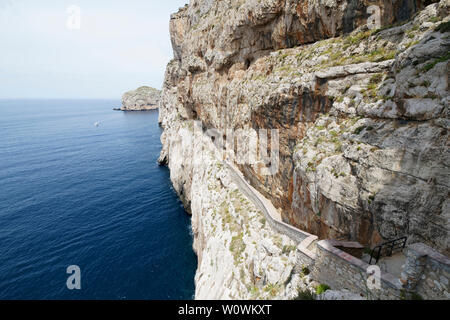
[321, 288]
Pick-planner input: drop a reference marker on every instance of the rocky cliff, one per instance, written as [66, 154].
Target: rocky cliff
[143, 98]
[362, 119]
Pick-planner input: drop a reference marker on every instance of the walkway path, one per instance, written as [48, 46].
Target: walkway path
[272, 215]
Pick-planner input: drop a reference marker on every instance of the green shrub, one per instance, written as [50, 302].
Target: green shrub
[321, 288]
[426, 83]
[287, 249]
[359, 129]
[305, 295]
[263, 221]
[443, 27]
[254, 290]
[431, 65]
[416, 296]
[376, 78]
[272, 289]
[434, 19]
[311, 167]
[237, 247]
[305, 270]
[405, 295]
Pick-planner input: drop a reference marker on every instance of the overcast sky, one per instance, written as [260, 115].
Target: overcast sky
[120, 46]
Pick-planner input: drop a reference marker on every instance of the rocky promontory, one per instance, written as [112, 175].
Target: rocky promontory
[141, 99]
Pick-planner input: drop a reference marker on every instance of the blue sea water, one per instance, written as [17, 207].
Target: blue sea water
[72, 193]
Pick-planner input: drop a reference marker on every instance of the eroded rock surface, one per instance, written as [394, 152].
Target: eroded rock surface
[362, 116]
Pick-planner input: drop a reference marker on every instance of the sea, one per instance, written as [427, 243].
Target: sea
[85, 210]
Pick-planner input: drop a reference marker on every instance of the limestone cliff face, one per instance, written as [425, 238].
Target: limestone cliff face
[217, 35]
[362, 113]
[143, 98]
[239, 255]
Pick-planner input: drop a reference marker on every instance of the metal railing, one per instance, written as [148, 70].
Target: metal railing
[390, 245]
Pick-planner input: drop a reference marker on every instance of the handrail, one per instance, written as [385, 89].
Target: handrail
[390, 244]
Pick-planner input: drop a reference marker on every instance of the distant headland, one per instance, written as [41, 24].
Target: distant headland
[142, 99]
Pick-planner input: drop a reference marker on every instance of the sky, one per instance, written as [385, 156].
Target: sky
[119, 46]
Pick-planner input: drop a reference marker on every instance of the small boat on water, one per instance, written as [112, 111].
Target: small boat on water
[97, 124]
